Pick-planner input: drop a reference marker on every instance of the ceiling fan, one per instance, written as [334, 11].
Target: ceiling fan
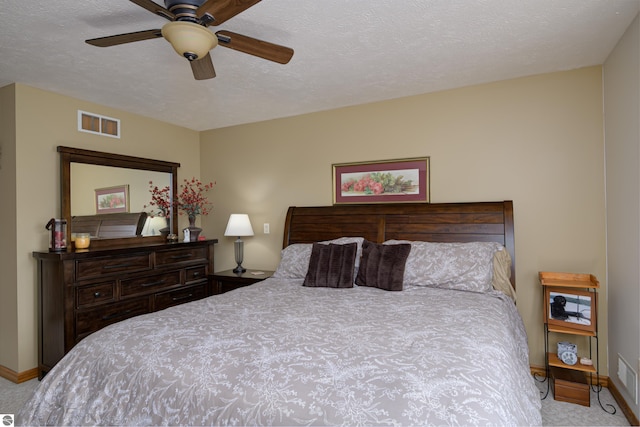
[188, 34]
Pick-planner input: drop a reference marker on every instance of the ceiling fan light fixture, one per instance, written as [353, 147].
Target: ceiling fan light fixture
[188, 39]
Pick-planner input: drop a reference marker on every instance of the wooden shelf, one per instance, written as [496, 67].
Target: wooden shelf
[568, 280]
[572, 331]
[555, 361]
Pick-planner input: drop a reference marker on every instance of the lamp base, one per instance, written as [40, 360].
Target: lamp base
[238, 246]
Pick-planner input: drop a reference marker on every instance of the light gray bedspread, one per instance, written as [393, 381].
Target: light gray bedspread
[278, 353]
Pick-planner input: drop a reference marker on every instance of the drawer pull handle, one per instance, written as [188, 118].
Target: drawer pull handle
[181, 256]
[114, 315]
[109, 267]
[97, 295]
[157, 282]
[182, 297]
[196, 274]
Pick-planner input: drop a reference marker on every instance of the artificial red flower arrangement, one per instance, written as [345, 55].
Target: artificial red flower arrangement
[159, 200]
[191, 199]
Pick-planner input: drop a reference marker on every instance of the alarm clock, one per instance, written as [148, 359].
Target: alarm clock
[568, 352]
[569, 358]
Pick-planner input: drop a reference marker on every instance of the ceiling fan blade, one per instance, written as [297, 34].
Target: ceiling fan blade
[255, 47]
[221, 10]
[125, 38]
[155, 8]
[203, 68]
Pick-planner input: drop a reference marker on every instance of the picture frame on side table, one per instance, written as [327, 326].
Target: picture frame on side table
[112, 199]
[382, 181]
[571, 308]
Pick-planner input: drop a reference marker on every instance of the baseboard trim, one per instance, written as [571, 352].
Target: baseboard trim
[626, 409]
[18, 377]
[539, 371]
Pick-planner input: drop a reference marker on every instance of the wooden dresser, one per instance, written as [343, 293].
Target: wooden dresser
[81, 292]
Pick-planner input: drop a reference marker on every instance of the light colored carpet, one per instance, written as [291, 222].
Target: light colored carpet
[554, 413]
[12, 395]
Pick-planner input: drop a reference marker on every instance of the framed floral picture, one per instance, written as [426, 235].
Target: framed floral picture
[383, 181]
[112, 199]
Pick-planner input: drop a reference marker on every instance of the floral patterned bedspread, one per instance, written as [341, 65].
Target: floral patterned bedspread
[278, 353]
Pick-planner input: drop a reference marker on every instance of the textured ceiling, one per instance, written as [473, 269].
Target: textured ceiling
[347, 52]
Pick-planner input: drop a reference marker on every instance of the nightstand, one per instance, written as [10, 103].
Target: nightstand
[570, 308]
[225, 281]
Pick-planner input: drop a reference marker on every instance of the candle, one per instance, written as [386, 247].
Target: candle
[82, 240]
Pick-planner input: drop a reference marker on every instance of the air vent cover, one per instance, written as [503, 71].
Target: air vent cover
[97, 124]
[628, 377]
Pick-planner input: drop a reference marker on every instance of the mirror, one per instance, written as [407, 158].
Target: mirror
[91, 184]
[97, 171]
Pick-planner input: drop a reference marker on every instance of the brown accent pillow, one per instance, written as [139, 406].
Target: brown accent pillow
[331, 266]
[382, 266]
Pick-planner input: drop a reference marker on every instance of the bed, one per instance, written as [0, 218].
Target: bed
[295, 349]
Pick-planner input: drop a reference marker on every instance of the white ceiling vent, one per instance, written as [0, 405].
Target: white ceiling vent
[97, 124]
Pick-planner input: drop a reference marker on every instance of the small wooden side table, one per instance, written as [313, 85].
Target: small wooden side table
[225, 281]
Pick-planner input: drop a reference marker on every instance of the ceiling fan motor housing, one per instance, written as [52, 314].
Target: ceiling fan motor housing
[184, 10]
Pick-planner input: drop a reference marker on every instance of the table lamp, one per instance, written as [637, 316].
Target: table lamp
[239, 225]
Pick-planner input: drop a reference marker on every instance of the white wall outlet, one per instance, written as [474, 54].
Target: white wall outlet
[266, 228]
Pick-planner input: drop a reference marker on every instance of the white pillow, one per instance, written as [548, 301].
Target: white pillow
[461, 266]
[294, 259]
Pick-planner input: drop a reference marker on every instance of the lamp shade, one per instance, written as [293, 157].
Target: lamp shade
[239, 225]
[190, 40]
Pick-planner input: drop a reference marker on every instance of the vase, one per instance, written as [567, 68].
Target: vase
[194, 231]
[164, 232]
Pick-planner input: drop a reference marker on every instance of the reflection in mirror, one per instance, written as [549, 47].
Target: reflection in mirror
[86, 179]
[116, 215]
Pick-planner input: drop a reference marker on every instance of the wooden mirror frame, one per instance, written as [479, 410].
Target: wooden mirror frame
[70, 155]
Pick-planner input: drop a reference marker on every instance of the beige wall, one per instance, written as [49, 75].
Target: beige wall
[8, 278]
[535, 140]
[622, 142]
[45, 120]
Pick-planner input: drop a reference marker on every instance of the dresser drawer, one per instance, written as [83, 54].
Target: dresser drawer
[98, 267]
[148, 284]
[183, 255]
[196, 273]
[95, 294]
[97, 318]
[179, 296]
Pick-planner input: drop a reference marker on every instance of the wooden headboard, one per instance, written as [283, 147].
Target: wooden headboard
[431, 222]
[109, 226]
